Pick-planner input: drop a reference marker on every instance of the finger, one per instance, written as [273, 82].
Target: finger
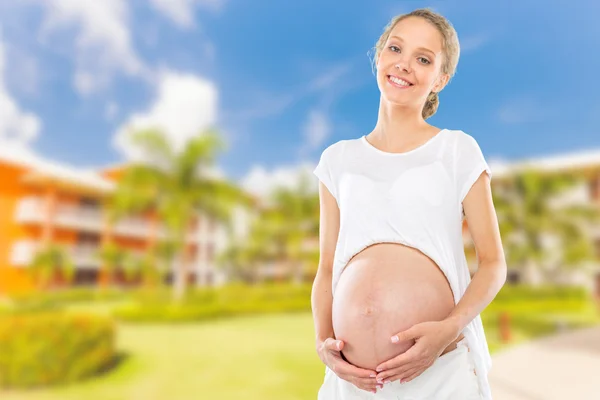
[344, 367]
[407, 334]
[382, 376]
[397, 362]
[366, 381]
[333, 344]
[371, 387]
[403, 376]
[412, 376]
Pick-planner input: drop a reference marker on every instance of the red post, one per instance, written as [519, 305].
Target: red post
[504, 322]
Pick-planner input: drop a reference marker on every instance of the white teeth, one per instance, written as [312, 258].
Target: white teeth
[399, 81]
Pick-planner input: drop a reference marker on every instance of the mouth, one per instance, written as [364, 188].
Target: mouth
[398, 82]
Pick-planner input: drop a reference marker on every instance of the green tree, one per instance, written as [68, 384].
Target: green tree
[112, 257]
[177, 186]
[278, 236]
[528, 216]
[295, 222]
[49, 261]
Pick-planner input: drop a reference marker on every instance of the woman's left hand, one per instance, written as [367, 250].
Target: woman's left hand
[431, 338]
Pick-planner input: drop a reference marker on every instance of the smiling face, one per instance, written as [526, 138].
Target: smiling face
[416, 47]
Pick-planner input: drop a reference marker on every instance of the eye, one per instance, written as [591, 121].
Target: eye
[421, 58]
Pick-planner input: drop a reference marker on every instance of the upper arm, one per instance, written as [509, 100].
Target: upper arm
[482, 220]
[329, 226]
[329, 220]
[475, 196]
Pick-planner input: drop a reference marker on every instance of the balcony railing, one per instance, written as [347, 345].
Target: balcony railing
[81, 255]
[30, 210]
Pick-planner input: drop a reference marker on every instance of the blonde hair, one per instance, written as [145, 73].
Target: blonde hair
[450, 49]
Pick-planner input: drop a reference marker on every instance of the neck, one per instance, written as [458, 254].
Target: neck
[399, 124]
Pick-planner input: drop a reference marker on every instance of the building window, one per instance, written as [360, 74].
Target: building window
[85, 277]
[513, 277]
[210, 250]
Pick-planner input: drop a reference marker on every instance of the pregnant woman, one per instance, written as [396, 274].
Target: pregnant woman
[395, 309]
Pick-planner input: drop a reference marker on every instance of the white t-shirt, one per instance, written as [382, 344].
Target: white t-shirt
[414, 198]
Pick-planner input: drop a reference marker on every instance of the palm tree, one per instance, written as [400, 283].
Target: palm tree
[528, 217]
[278, 235]
[112, 257]
[237, 262]
[47, 262]
[296, 222]
[149, 269]
[132, 265]
[176, 185]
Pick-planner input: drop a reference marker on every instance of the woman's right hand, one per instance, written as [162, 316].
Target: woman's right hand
[330, 354]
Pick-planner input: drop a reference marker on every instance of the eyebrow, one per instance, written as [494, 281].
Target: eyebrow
[420, 48]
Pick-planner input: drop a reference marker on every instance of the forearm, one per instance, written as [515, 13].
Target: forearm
[485, 285]
[321, 302]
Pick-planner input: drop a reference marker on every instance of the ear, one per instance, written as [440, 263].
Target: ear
[442, 82]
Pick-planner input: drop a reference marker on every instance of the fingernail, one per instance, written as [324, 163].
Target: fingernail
[379, 369]
[394, 339]
[338, 345]
[372, 375]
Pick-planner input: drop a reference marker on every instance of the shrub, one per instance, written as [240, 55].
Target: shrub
[51, 348]
[70, 295]
[212, 303]
[518, 293]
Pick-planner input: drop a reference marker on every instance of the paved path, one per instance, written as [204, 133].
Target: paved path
[560, 367]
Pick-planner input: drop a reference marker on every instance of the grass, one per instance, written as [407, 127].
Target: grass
[251, 357]
[254, 358]
[264, 357]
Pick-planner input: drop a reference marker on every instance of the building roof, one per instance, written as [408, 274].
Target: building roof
[44, 171]
[574, 160]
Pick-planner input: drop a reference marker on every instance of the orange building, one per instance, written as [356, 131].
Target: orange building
[43, 202]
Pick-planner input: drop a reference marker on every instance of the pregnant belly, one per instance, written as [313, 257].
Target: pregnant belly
[384, 289]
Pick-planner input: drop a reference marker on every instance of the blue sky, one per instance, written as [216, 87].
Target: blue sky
[283, 80]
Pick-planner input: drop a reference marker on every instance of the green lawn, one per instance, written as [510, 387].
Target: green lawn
[250, 358]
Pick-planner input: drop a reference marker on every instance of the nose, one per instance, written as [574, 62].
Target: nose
[403, 64]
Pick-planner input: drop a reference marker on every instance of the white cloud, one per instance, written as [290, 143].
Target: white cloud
[316, 129]
[185, 105]
[330, 84]
[474, 42]
[111, 110]
[16, 126]
[181, 12]
[102, 39]
[523, 109]
[261, 182]
[24, 74]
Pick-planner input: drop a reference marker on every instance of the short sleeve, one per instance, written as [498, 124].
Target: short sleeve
[470, 163]
[324, 171]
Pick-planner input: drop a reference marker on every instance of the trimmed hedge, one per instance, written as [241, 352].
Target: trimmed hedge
[519, 293]
[145, 305]
[239, 299]
[54, 300]
[212, 303]
[52, 348]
